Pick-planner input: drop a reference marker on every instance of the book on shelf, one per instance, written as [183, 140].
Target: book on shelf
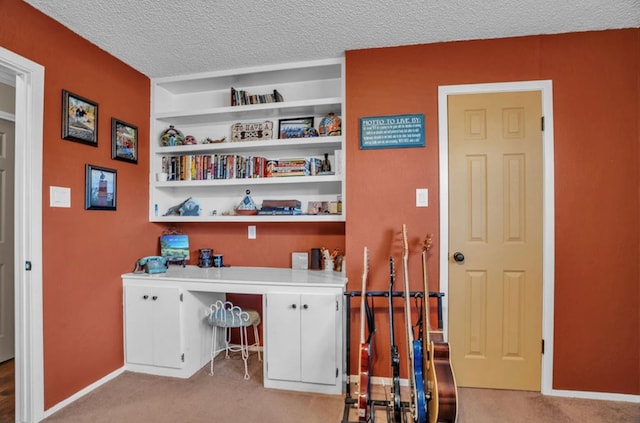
[281, 203]
[280, 211]
[243, 98]
[199, 167]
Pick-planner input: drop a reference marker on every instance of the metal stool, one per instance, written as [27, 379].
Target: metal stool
[224, 315]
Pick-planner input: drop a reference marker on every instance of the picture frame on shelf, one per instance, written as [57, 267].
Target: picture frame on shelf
[124, 141]
[294, 128]
[79, 119]
[100, 188]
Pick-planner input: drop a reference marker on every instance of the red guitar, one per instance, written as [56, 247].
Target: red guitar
[439, 380]
[364, 383]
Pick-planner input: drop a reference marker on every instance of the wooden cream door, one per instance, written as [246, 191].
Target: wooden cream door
[7, 325]
[495, 239]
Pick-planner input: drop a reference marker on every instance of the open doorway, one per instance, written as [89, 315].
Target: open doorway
[7, 245]
[28, 78]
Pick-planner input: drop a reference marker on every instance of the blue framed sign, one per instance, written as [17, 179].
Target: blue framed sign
[396, 131]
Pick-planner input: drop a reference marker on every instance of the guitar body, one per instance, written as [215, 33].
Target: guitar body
[439, 378]
[395, 401]
[421, 398]
[364, 382]
[446, 400]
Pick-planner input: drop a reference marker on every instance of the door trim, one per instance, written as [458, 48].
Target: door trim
[29, 362]
[548, 207]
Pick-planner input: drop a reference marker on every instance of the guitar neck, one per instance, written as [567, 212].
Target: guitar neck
[363, 294]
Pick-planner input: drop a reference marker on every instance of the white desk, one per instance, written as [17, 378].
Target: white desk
[166, 332]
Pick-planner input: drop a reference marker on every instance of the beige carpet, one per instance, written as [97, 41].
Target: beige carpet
[226, 397]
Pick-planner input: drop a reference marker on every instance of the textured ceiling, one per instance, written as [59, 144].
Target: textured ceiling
[169, 37]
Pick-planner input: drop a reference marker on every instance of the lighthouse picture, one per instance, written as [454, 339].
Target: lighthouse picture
[100, 188]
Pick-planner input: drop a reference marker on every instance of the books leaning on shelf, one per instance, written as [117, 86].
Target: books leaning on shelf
[201, 167]
[242, 98]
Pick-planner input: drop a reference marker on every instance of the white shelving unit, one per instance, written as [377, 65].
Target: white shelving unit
[199, 105]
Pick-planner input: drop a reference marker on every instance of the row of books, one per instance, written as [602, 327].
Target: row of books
[200, 167]
[242, 98]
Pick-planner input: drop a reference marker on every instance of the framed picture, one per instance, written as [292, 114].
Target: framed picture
[124, 141]
[100, 188]
[295, 128]
[79, 119]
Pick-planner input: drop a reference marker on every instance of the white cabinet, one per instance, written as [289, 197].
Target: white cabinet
[303, 333]
[153, 326]
[199, 105]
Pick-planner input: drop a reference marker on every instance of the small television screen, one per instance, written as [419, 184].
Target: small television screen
[174, 246]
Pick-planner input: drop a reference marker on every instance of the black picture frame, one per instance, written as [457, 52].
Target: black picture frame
[124, 141]
[79, 119]
[100, 188]
[294, 128]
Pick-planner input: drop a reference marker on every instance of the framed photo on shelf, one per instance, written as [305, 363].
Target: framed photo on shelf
[124, 141]
[79, 119]
[100, 188]
[294, 128]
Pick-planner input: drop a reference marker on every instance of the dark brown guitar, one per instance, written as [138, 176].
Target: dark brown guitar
[440, 381]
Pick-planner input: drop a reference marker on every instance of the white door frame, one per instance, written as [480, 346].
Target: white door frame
[29, 368]
[548, 207]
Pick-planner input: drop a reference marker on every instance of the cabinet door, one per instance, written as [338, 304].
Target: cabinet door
[318, 353]
[167, 342]
[138, 319]
[152, 326]
[283, 331]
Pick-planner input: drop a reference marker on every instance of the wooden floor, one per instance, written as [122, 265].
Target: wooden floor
[7, 391]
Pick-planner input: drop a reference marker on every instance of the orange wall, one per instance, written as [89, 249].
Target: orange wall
[595, 91]
[86, 251]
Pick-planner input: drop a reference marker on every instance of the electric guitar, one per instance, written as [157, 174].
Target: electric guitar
[414, 347]
[396, 404]
[440, 380]
[364, 383]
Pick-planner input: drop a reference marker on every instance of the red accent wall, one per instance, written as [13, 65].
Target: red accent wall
[84, 251]
[597, 192]
[596, 114]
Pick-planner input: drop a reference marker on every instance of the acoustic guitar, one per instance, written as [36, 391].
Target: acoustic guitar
[364, 366]
[396, 404]
[440, 380]
[414, 347]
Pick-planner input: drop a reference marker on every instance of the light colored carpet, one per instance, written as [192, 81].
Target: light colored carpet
[226, 397]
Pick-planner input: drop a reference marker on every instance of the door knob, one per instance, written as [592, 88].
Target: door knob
[458, 257]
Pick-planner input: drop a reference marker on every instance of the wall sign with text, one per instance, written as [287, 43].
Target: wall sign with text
[396, 131]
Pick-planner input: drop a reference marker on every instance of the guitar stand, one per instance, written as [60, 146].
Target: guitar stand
[349, 402]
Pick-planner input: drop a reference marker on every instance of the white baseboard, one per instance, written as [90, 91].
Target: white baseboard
[603, 396]
[83, 392]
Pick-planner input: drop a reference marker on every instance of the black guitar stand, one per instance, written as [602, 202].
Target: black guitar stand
[351, 402]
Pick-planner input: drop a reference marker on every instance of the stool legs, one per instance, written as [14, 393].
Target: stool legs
[243, 348]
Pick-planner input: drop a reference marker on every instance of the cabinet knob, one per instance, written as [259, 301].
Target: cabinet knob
[155, 297]
[306, 306]
[145, 297]
[293, 306]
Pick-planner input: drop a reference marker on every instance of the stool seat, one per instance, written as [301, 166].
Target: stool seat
[226, 316]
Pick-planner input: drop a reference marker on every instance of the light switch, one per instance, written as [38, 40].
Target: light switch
[251, 232]
[422, 197]
[59, 197]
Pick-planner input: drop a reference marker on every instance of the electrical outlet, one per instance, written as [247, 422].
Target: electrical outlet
[251, 232]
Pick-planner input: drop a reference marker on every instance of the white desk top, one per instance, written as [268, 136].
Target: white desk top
[250, 276]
